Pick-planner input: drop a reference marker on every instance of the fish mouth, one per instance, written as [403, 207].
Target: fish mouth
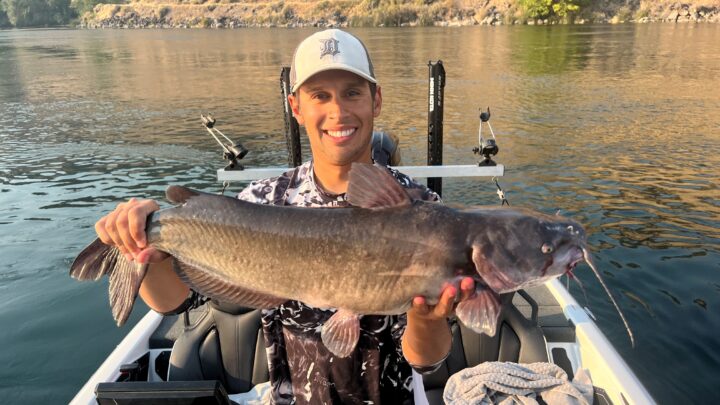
[571, 266]
[576, 258]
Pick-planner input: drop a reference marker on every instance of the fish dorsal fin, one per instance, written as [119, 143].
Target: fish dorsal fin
[373, 186]
[180, 194]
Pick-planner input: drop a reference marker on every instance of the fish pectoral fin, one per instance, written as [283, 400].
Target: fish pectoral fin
[481, 312]
[341, 332]
[216, 287]
[372, 186]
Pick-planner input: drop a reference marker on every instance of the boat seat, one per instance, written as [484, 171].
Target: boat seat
[518, 339]
[226, 344]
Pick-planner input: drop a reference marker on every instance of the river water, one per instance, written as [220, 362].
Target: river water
[616, 126]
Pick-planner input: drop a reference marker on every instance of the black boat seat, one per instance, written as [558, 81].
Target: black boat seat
[518, 339]
[226, 344]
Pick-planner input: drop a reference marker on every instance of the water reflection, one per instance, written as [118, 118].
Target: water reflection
[11, 89]
[551, 50]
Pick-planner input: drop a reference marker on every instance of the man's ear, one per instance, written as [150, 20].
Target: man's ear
[377, 104]
[295, 107]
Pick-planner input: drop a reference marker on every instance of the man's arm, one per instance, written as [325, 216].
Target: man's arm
[161, 289]
[427, 338]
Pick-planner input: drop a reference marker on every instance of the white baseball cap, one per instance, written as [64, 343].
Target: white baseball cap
[328, 50]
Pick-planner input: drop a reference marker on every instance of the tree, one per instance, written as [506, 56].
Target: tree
[37, 13]
[563, 8]
[4, 22]
[537, 8]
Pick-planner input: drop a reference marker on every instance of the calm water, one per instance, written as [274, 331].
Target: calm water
[617, 126]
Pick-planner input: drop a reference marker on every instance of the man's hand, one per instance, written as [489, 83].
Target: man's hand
[446, 304]
[427, 338]
[125, 228]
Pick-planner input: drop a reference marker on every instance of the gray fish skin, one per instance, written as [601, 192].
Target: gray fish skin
[371, 260]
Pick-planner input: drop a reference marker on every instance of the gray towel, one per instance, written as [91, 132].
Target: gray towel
[505, 383]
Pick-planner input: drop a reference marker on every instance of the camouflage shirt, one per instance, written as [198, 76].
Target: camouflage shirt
[302, 370]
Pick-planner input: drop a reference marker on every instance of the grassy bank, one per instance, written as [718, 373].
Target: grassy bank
[369, 13]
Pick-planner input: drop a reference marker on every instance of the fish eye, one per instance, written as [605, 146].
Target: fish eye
[547, 248]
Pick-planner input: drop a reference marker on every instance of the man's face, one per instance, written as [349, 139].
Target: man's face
[337, 110]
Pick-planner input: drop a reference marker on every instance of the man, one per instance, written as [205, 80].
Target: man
[336, 98]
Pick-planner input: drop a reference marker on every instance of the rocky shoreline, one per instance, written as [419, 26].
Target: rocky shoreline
[332, 14]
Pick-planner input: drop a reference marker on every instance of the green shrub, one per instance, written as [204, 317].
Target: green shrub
[561, 9]
[537, 8]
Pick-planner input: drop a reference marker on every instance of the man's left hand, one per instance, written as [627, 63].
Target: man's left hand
[446, 305]
[427, 338]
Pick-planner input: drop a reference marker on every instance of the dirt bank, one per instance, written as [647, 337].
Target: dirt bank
[379, 13]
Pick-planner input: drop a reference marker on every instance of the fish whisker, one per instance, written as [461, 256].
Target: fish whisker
[586, 255]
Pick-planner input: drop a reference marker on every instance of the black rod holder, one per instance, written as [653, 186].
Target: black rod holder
[436, 99]
[292, 129]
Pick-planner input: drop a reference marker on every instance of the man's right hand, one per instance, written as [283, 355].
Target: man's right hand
[125, 228]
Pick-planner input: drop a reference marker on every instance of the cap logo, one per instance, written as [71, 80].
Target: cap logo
[329, 47]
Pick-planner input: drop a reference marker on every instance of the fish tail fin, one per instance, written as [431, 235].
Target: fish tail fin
[96, 260]
[99, 259]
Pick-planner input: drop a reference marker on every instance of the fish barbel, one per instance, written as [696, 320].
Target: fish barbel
[370, 259]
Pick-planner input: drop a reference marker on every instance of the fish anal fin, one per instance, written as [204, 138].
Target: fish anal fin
[481, 312]
[341, 332]
[373, 186]
[220, 289]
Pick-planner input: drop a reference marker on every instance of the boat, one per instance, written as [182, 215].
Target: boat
[178, 358]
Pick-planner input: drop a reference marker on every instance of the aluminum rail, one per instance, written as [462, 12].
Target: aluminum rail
[413, 171]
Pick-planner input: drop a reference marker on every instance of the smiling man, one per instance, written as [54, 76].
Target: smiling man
[336, 98]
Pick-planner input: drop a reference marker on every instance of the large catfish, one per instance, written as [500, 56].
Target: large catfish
[371, 259]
